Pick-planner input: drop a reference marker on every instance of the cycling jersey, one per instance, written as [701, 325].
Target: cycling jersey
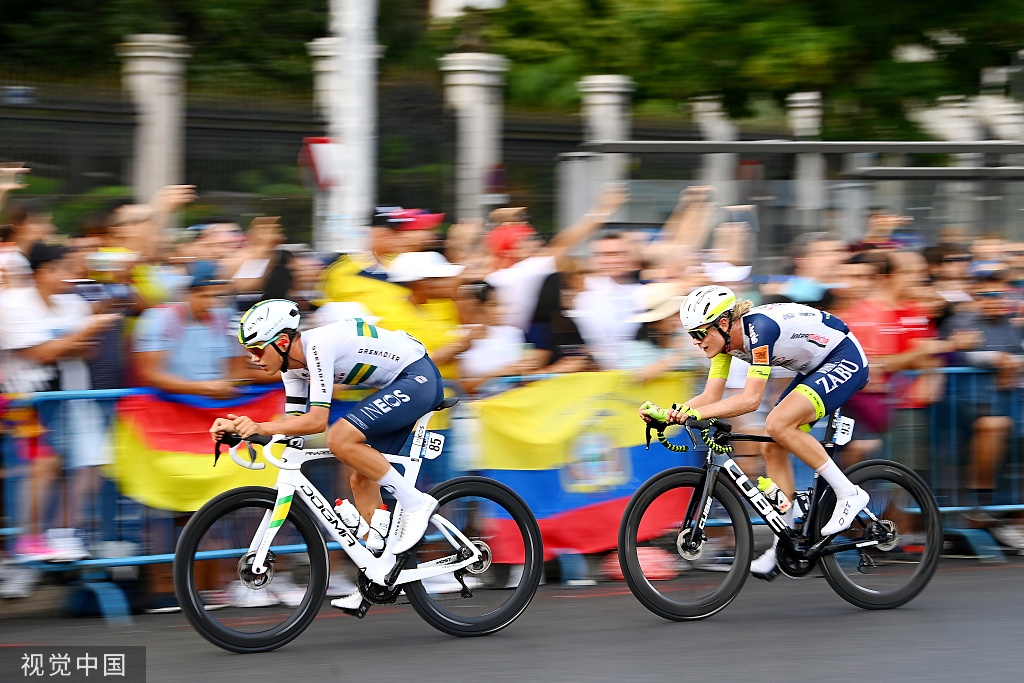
[828, 359]
[356, 352]
[793, 336]
[347, 352]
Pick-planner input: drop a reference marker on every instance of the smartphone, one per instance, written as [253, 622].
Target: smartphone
[746, 213]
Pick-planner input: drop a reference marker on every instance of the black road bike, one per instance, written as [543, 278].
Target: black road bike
[696, 514]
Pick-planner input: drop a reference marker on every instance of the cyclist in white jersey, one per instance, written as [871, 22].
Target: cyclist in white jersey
[831, 367]
[350, 351]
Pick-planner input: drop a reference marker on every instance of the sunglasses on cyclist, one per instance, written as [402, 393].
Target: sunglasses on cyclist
[699, 333]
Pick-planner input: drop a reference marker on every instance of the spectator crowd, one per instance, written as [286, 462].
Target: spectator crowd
[128, 301]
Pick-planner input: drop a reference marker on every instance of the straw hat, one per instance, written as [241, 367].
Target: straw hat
[657, 301]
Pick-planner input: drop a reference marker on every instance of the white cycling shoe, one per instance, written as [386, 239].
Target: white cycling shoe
[412, 525]
[765, 567]
[352, 601]
[847, 509]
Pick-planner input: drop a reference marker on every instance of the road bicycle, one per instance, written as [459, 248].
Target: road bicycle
[697, 515]
[253, 543]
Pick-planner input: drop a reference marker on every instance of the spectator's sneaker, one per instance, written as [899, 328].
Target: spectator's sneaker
[18, 582]
[847, 509]
[766, 566]
[412, 525]
[285, 591]
[68, 544]
[34, 547]
[1010, 536]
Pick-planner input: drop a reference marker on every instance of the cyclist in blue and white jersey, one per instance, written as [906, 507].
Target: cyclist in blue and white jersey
[830, 367]
[349, 351]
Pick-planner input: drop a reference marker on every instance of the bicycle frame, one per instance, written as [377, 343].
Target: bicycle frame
[292, 484]
[716, 463]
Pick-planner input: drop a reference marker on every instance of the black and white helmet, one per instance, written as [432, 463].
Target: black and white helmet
[705, 305]
[266, 321]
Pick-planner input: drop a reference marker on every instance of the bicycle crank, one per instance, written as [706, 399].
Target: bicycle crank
[793, 566]
[374, 592]
[249, 578]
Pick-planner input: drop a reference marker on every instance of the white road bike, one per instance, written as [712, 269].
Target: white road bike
[254, 546]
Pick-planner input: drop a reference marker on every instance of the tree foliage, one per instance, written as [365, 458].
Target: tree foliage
[743, 49]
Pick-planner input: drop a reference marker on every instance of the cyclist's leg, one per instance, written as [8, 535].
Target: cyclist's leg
[811, 398]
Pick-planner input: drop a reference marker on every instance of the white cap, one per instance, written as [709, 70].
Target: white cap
[419, 265]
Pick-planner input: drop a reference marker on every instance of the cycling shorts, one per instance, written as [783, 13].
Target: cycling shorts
[843, 373]
[386, 417]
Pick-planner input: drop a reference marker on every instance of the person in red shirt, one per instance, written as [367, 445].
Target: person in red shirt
[898, 335]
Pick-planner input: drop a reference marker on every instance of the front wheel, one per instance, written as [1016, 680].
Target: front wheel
[895, 571]
[503, 583]
[220, 595]
[667, 576]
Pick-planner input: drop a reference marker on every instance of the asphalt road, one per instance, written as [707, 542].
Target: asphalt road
[968, 625]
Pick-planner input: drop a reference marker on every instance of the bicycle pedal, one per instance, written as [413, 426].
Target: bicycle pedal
[359, 612]
[767, 577]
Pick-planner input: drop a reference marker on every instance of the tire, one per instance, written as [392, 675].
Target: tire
[218, 605]
[492, 513]
[654, 568]
[899, 574]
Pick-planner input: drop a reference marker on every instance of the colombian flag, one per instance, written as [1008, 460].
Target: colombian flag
[573, 448]
[164, 454]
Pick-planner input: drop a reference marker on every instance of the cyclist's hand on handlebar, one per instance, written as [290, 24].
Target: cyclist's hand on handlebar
[221, 426]
[244, 425]
[652, 413]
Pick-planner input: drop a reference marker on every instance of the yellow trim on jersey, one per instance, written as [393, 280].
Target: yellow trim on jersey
[720, 366]
[759, 371]
[812, 396]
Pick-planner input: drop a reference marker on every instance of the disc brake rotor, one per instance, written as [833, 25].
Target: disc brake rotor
[249, 578]
[684, 549]
[484, 563]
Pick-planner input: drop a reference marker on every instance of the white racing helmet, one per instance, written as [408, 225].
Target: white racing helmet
[705, 305]
[264, 322]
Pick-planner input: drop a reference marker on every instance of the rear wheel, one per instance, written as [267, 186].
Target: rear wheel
[219, 594]
[909, 525]
[503, 583]
[669, 579]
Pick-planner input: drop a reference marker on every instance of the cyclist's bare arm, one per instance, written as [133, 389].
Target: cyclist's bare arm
[313, 422]
[745, 402]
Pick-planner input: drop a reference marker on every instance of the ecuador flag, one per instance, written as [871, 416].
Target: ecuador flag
[573, 447]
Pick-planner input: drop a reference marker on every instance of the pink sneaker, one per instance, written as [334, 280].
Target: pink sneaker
[33, 547]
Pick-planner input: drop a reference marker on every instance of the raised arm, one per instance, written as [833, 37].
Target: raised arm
[609, 202]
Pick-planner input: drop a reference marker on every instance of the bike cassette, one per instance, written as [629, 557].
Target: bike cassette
[374, 592]
[484, 563]
[793, 566]
[249, 578]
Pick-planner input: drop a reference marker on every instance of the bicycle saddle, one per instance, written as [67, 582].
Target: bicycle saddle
[447, 403]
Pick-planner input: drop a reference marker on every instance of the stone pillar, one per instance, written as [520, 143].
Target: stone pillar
[804, 111]
[351, 115]
[153, 74]
[474, 87]
[607, 116]
[718, 170]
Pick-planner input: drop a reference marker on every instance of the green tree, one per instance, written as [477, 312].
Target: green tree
[744, 49]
